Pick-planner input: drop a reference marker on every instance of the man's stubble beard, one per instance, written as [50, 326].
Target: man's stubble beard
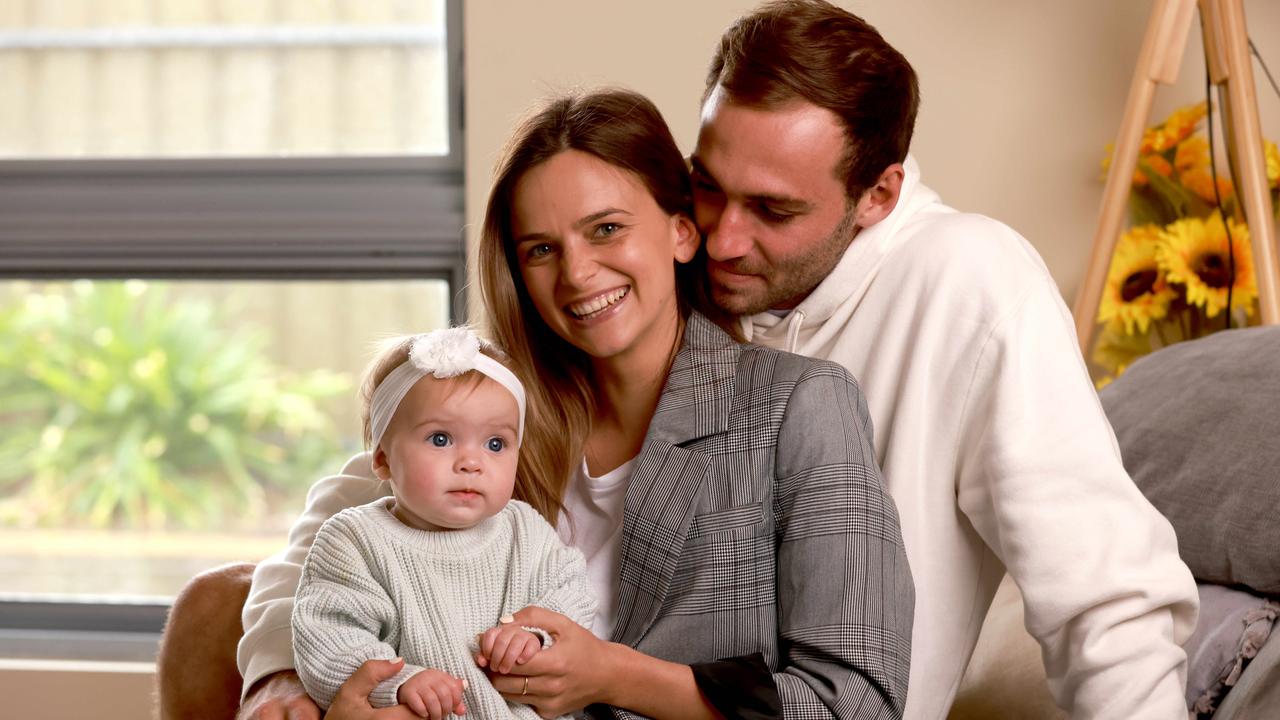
[792, 281]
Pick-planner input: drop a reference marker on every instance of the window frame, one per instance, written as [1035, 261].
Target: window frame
[265, 218]
[221, 218]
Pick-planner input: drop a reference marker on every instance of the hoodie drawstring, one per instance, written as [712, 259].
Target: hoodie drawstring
[794, 321]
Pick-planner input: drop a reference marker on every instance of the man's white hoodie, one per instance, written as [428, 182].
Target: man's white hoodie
[995, 447]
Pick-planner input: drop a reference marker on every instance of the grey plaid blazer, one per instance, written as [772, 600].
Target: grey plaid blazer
[756, 522]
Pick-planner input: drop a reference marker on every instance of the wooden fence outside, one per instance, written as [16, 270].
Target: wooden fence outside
[199, 78]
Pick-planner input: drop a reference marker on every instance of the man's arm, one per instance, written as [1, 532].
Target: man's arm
[267, 645]
[1042, 481]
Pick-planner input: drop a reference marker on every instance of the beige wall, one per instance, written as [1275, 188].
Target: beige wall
[1019, 97]
[58, 690]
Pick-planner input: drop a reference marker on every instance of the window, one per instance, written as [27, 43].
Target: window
[209, 209]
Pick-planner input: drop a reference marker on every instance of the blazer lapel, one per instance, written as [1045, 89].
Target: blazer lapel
[664, 487]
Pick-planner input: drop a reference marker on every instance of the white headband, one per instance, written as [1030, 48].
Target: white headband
[442, 354]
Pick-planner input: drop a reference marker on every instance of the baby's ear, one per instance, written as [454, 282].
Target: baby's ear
[380, 466]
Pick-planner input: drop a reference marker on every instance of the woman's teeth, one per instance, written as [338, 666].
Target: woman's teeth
[597, 304]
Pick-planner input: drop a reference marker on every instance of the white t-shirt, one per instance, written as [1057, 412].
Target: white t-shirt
[592, 522]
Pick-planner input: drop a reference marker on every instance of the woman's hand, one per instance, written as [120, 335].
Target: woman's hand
[574, 672]
[352, 700]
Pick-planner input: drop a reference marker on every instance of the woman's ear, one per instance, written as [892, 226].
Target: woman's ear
[687, 238]
[380, 466]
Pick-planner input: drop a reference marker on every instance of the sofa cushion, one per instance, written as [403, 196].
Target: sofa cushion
[1233, 626]
[1257, 692]
[1199, 429]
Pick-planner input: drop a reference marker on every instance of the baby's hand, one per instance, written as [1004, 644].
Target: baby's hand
[433, 694]
[507, 645]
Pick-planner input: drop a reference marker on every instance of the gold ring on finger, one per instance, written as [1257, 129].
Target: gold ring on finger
[525, 691]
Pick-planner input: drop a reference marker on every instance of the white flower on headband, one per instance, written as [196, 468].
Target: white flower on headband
[445, 353]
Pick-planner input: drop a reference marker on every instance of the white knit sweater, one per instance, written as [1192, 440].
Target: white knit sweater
[373, 587]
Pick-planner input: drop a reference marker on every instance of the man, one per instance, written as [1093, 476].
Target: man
[989, 434]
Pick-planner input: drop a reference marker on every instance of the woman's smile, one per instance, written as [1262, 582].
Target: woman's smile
[600, 305]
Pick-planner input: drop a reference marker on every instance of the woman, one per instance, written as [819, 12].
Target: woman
[726, 496]
[746, 560]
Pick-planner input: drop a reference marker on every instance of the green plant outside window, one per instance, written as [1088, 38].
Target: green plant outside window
[128, 406]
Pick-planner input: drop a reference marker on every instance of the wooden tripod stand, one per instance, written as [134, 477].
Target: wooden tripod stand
[1226, 43]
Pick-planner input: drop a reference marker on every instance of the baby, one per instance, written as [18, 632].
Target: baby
[450, 556]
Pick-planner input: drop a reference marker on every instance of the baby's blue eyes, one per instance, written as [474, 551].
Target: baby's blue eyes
[441, 439]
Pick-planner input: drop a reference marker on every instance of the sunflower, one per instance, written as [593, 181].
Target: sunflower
[1180, 124]
[1136, 293]
[1273, 163]
[1199, 180]
[1193, 253]
[1116, 351]
[1156, 163]
[1192, 153]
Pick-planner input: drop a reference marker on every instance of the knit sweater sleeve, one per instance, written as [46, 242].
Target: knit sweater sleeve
[559, 581]
[341, 613]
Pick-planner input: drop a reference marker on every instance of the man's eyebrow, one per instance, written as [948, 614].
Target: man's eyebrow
[578, 224]
[781, 202]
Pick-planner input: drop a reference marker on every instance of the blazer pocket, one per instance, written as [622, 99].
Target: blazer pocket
[719, 521]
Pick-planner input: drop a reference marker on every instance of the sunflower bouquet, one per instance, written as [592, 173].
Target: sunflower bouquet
[1172, 272]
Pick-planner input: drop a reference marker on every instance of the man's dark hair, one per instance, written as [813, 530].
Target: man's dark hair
[814, 51]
